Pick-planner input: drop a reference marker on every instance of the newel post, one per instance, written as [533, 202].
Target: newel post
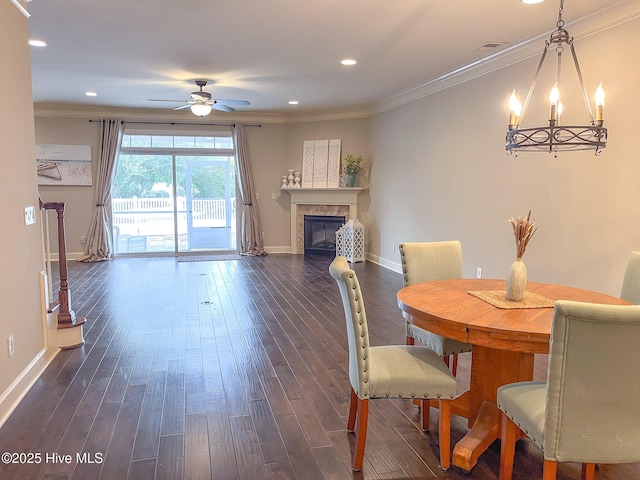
[66, 316]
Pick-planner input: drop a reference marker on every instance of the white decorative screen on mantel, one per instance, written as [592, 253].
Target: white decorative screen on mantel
[321, 163]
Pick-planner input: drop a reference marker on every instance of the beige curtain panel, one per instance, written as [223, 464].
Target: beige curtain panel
[100, 238]
[251, 241]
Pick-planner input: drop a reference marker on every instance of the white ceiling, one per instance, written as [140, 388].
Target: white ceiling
[270, 52]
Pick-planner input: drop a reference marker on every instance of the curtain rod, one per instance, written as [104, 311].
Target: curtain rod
[187, 123]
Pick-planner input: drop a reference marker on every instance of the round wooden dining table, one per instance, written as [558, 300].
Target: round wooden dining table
[505, 340]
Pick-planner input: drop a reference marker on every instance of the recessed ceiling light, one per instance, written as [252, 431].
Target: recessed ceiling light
[91, 94]
[293, 102]
[37, 43]
[348, 61]
[531, 2]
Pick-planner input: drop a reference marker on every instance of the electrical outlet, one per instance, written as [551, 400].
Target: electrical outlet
[83, 240]
[273, 195]
[10, 346]
[479, 272]
[394, 248]
[29, 215]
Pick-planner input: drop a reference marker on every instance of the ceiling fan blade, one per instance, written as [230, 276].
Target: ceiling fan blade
[164, 100]
[232, 102]
[182, 107]
[223, 108]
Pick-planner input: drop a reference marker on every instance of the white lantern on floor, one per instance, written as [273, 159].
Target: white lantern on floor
[353, 238]
[340, 242]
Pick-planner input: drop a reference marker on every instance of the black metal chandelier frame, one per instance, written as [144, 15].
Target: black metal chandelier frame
[554, 138]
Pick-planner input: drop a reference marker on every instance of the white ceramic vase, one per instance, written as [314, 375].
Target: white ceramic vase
[517, 280]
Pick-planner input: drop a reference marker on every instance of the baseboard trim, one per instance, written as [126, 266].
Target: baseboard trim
[383, 262]
[12, 396]
[277, 249]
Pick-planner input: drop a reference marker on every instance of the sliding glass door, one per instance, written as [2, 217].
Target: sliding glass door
[174, 195]
[207, 219]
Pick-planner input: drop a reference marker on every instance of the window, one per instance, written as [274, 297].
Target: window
[174, 193]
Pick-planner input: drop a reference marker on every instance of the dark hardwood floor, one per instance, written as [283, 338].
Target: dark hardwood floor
[228, 370]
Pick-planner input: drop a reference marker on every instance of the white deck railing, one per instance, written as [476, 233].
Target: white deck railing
[154, 216]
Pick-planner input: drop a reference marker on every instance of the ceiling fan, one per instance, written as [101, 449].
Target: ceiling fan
[202, 102]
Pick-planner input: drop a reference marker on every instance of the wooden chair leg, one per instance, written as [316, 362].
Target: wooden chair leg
[588, 471]
[510, 433]
[424, 414]
[454, 365]
[361, 433]
[549, 470]
[353, 410]
[444, 429]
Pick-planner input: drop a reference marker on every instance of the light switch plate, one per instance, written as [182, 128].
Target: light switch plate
[29, 215]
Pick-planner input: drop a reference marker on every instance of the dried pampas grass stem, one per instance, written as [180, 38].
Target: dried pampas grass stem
[523, 230]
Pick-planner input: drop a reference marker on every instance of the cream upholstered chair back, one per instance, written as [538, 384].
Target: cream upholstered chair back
[592, 413]
[356, 318]
[426, 262]
[430, 261]
[631, 282]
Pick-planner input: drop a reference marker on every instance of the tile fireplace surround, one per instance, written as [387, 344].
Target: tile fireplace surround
[319, 201]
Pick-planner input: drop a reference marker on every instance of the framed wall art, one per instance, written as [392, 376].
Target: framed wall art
[63, 164]
[321, 163]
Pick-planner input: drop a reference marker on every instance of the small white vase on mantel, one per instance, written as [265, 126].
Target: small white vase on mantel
[516, 280]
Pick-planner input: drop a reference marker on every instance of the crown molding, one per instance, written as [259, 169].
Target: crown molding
[141, 114]
[597, 22]
[326, 116]
[21, 8]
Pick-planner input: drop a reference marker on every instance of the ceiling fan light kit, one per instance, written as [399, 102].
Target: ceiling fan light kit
[554, 137]
[201, 102]
[201, 109]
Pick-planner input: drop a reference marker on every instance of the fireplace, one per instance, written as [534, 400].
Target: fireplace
[341, 202]
[320, 234]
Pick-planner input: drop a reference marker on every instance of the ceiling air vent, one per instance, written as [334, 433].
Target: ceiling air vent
[489, 46]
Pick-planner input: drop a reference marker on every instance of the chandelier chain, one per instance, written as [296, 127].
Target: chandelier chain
[560, 23]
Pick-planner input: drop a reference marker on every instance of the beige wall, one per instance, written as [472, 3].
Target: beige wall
[274, 148]
[79, 199]
[20, 245]
[440, 172]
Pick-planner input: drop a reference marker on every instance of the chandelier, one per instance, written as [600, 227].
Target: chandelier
[555, 137]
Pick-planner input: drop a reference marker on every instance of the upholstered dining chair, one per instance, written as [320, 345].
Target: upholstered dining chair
[389, 371]
[426, 262]
[631, 282]
[587, 410]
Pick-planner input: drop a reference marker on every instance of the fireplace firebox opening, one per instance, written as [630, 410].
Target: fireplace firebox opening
[320, 234]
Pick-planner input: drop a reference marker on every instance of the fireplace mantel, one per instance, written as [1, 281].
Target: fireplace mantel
[322, 197]
[325, 196]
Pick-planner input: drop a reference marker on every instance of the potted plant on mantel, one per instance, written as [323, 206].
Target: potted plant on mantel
[352, 165]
